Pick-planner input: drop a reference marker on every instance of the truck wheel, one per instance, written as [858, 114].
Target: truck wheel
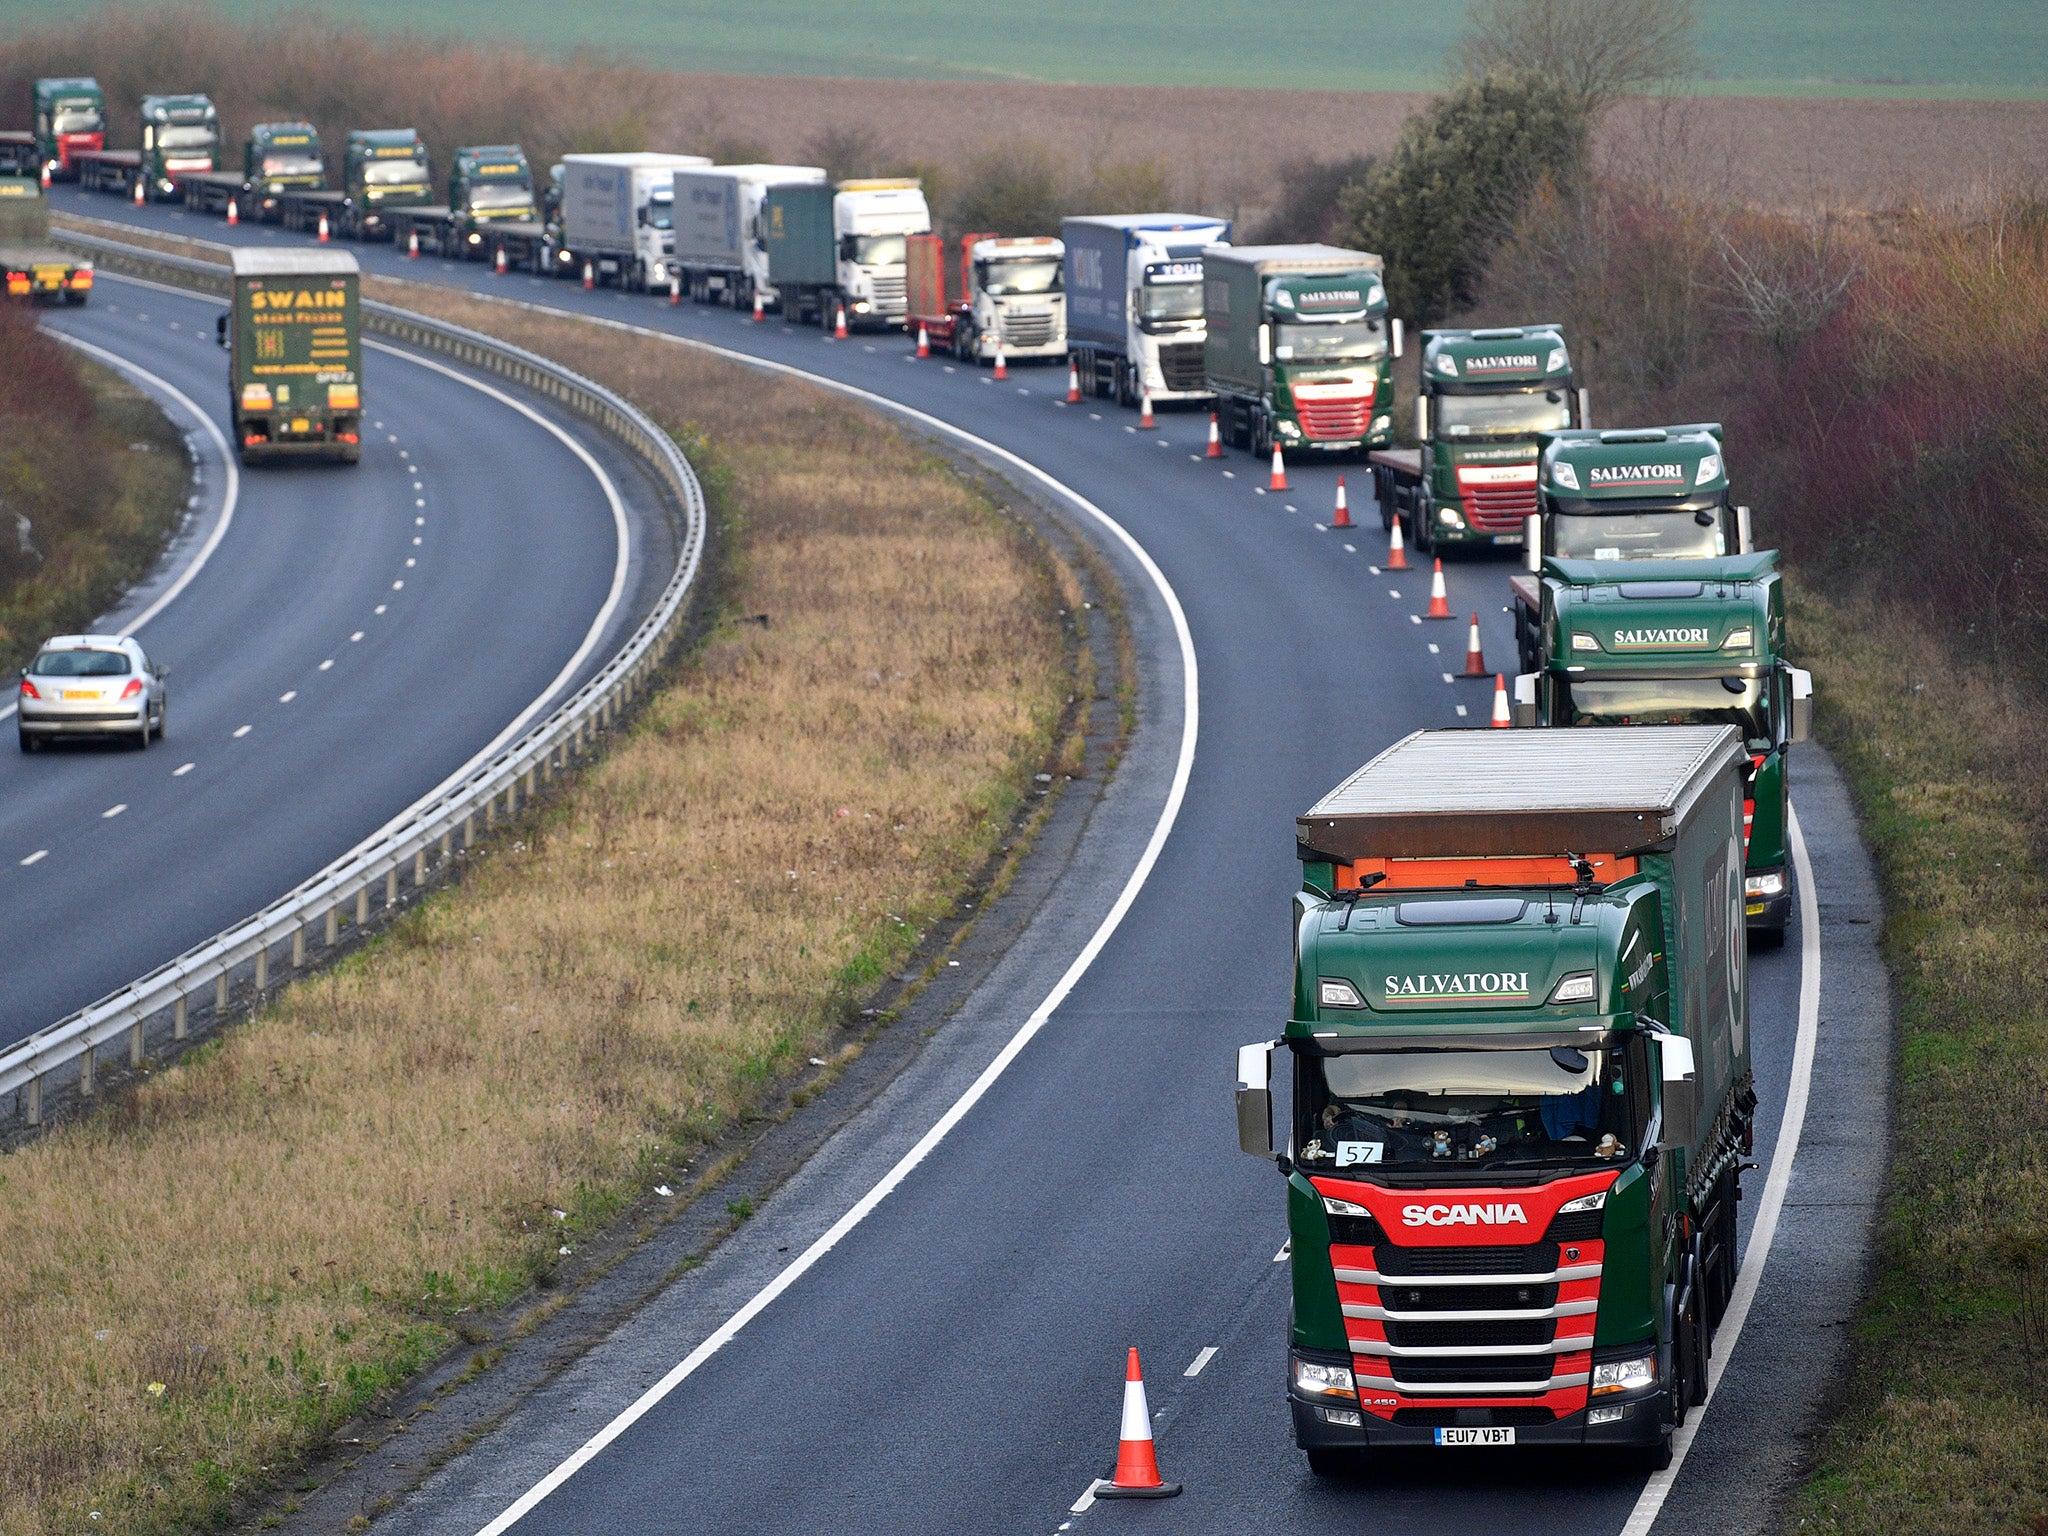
[1655, 1458]
[1326, 1462]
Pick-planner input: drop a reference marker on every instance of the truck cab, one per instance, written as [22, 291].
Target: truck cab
[489, 184]
[1485, 401]
[70, 114]
[1521, 1092]
[382, 169]
[1681, 642]
[180, 136]
[1016, 297]
[1135, 323]
[279, 158]
[871, 221]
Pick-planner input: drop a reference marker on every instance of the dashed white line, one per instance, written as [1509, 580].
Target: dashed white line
[184, 768]
[1432, 648]
[396, 586]
[288, 695]
[113, 810]
[1350, 549]
[416, 501]
[326, 664]
[352, 639]
[1285, 1249]
[1447, 677]
[416, 541]
[1207, 1354]
[1395, 593]
[1461, 711]
[1414, 618]
[380, 608]
[419, 522]
[1086, 1502]
[242, 730]
[1095, 415]
[1230, 474]
[35, 858]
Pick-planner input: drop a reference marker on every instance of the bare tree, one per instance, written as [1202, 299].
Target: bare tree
[1599, 50]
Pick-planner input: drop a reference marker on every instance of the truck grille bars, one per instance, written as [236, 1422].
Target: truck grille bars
[1180, 365]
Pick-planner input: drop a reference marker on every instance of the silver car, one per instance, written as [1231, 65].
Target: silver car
[91, 685]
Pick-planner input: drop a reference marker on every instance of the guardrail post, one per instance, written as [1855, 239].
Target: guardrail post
[419, 868]
[447, 840]
[220, 993]
[298, 946]
[490, 813]
[88, 1071]
[32, 1100]
[511, 799]
[391, 887]
[333, 926]
[135, 1044]
[362, 904]
[180, 1024]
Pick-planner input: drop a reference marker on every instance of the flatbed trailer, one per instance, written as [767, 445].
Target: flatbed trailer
[442, 232]
[108, 170]
[30, 267]
[212, 191]
[300, 211]
[18, 153]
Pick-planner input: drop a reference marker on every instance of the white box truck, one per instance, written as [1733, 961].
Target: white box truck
[1134, 303]
[718, 229]
[617, 216]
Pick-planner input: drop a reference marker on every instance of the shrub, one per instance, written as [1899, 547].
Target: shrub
[1310, 191]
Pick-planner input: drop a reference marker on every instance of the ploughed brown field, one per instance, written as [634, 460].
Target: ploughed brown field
[1223, 146]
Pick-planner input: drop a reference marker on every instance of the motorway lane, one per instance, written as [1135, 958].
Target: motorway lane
[357, 635]
[954, 1362]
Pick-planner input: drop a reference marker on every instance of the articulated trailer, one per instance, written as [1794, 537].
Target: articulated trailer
[490, 209]
[844, 250]
[293, 333]
[180, 138]
[277, 159]
[719, 252]
[382, 170]
[1008, 296]
[1680, 642]
[1134, 304]
[1522, 1096]
[1486, 398]
[30, 267]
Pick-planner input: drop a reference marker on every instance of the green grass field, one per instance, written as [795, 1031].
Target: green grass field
[1766, 47]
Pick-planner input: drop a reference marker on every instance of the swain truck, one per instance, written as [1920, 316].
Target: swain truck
[719, 250]
[1134, 304]
[843, 249]
[276, 158]
[30, 266]
[180, 137]
[618, 217]
[69, 117]
[991, 293]
[1299, 347]
[293, 332]
[1521, 1094]
[1485, 399]
[1681, 642]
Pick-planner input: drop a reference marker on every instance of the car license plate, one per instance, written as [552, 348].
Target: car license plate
[1487, 1435]
[81, 693]
[1507, 538]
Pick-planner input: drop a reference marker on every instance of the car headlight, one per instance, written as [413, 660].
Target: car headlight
[1593, 1202]
[1638, 1373]
[1336, 992]
[1771, 884]
[1581, 641]
[1314, 1379]
[1574, 989]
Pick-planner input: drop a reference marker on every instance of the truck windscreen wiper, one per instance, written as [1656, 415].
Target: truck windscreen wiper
[1350, 897]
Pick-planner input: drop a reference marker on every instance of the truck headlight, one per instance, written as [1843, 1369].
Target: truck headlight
[861, 306]
[1638, 1373]
[1336, 992]
[1314, 1379]
[1289, 429]
[1769, 884]
[1581, 641]
[1594, 1202]
[1382, 423]
[1450, 517]
[1574, 989]
[1739, 639]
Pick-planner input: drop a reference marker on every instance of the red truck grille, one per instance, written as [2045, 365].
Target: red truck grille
[1332, 421]
[1497, 500]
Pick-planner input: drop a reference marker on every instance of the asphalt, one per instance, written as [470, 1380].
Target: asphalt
[954, 1361]
[357, 635]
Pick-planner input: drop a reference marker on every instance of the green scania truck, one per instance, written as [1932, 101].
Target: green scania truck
[1680, 642]
[1486, 398]
[277, 159]
[295, 354]
[382, 171]
[490, 206]
[1521, 1091]
[180, 138]
[68, 117]
[1299, 347]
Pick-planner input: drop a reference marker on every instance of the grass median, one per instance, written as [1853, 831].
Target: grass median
[1945, 1431]
[239, 1253]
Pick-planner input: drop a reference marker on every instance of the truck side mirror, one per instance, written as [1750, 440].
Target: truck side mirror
[1799, 725]
[1525, 699]
[1265, 345]
[1681, 1094]
[1397, 336]
[1255, 1098]
[1422, 418]
[220, 328]
[1532, 541]
[1585, 408]
[1745, 540]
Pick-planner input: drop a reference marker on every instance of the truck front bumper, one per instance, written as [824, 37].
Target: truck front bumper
[1643, 1422]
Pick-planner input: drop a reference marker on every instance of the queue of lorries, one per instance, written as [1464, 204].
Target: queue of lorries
[1519, 1038]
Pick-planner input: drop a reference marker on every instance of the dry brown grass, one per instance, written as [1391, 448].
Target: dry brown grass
[204, 1277]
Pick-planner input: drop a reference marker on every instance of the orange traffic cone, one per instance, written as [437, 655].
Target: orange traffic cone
[1073, 382]
[1343, 517]
[1279, 480]
[1475, 663]
[498, 262]
[1439, 599]
[839, 324]
[138, 191]
[412, 245]
[675, 287]
[1137, 1468]
[1145, 421]
[924, 342]
[1002, 368]
[234, 212]
[1397, 552]
[1502, 718]
[322, 233]
[589, 275]
[46, 175]
[760, 308]
[1215, 449]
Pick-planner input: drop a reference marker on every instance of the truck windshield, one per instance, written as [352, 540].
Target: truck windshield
[394, 173]
[186, 136]
[292, 163]
[511, 194]
[1350, 341]
[661, 212]
[1020, 275]
[1160, 302]
[1421, 1109]
[1736, 701]
[78, 120]
[1520, 414]
[880, 250]
[1635, 536]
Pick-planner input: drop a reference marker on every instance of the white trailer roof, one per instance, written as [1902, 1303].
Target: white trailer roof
[292, 263]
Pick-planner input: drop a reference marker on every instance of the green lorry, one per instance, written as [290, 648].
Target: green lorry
[69, 117]
[1485, 399]
[180, 138]
[490, 208]
[277, 158]
[293, 333]
[1521, 1092]
[30, 267]
[1680, 642]
[382, 171]
[1299, 347]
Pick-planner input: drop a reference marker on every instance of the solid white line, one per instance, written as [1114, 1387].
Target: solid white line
[1768, 1210]
[1208, 1353]
[229, 496]
[860, 1211]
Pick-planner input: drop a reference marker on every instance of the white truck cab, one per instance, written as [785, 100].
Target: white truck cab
[870, 222]
[1019, 299]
